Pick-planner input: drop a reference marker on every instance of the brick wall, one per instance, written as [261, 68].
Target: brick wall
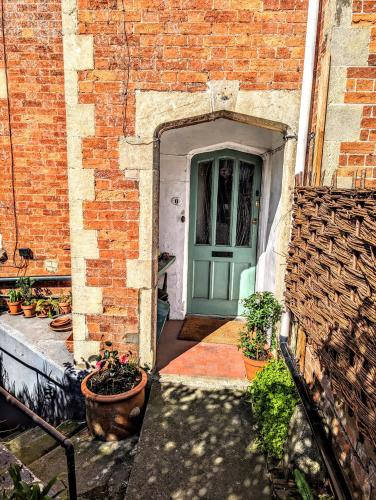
[36, 92]
[139, 45]
[361, 89]
[168, 46]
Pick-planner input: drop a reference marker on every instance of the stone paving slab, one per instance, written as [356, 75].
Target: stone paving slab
[197, 444]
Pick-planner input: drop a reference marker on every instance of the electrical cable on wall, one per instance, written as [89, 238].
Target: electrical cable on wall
[126, 72]
[23, 264]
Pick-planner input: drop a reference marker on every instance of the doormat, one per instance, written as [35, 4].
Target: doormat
[211, 330]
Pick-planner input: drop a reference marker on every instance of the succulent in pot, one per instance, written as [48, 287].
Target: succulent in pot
[14, 301]
[47, 308]
[65, 303]
[263, 311]
[114, 395]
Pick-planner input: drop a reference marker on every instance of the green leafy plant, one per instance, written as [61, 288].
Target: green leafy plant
[24, 491]
[263, 311]
[47, 307]
[14, 295]
[115, 374]
[25, 284]
[302, 485]
[273, 397]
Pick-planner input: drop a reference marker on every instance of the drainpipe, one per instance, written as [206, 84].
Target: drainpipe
[305, 110]
[306, 96]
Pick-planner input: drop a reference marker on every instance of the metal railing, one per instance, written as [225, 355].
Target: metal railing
[62, 440]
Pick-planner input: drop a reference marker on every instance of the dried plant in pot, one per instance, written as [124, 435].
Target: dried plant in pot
[263, 312]
[114, 395]
[65, 303]
[14, 301]
[47, 308]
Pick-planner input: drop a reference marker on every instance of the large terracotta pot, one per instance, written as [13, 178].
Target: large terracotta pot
[113, 418]
[14, 307]
[252, 366]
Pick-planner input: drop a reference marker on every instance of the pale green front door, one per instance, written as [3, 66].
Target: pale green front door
[223, 226]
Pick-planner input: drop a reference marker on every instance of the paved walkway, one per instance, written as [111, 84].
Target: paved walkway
[197, 444]
[187, 358]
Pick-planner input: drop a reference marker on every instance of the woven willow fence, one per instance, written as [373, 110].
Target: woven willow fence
[331, 290]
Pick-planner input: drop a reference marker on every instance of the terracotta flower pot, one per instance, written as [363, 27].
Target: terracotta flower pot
[65, 307]
[252, 366]
[113, 418]
[14, 307]
[29, 311]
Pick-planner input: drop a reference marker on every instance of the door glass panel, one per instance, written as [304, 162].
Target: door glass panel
[225, 174]
[243, 224]
[203, 218]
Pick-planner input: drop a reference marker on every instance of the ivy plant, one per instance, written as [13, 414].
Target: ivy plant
[273, 397]
[262, 312]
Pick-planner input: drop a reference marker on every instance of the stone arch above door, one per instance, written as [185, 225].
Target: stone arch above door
[156, 113]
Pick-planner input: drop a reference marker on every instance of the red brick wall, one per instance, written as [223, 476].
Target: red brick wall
[171, 45]
[34, 51]
[360, 89]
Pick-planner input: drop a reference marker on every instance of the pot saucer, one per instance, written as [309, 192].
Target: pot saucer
[62, 329]
[33, 316]
[15, 314]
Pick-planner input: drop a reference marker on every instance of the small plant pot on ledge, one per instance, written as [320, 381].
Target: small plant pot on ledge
[252, 366]
[65, 307]
[29, 310]
[14, 307]
[115, 417]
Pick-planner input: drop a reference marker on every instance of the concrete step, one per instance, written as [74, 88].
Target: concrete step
[204, 382]
[32, 444]
[6, 460]
[102, 469]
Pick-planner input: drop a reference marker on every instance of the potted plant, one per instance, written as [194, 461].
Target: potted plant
[47, 308]
[65, 303]
[263, 312]
[25, 284]
[14, 301]
[115, 395]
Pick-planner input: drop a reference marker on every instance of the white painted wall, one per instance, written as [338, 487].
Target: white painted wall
[177, 148]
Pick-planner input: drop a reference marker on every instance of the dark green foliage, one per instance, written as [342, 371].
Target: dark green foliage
[25, 284]
[263, 312]
[302, 485]
[14, 295]
[24, 491]
[274, 397]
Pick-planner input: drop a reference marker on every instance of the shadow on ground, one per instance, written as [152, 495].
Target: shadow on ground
[197, 444]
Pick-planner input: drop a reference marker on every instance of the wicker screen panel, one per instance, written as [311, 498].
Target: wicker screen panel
[331, 290]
